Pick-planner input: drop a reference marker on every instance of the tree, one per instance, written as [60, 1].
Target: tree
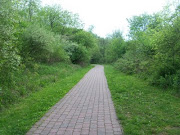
[102, 43]
[28, 9]
[116, 47]
[84, 38]
[57, 19]
[167, 57]
[9, 58]
[153, 49]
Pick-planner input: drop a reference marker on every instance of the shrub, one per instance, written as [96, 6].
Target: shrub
[96, 56]
[77, 53]
[56, 50]
[84, 38]
[124, 65]
[9, 58]
[42, 45]
[176, 81]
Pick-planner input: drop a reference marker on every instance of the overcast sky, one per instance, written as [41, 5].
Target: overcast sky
[108, 15]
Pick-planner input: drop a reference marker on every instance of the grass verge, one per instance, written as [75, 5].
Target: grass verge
[18, 118]
[143, 109]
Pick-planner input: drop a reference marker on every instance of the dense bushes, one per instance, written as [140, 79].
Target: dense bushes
[31, 35]
[84, 49]
[167, 57]
[42, 45]
[77, 53]
[9, 58]
[84, 38]
[116, 47]
[96, 57]
[153, 51]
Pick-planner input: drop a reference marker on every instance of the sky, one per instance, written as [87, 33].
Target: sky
[108, 15]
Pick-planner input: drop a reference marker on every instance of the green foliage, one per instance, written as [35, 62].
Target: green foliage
[27, 10]
[102, 45]
[84, 38]
[96, 56]
[176, 81]
[41, 45]
[167, 58]
[143, 23]
[116, 47]
[153, 51]
[77, 53]
[31, 34]
[82, 50]
[9, 58]
[143, 109]
[58, 20]
[134, 60]
[50, 16]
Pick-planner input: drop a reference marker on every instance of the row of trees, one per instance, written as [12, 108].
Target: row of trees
[30, 33]
[152, 50]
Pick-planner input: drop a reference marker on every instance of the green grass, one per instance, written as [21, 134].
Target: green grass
[143, 109]
[33, 79]
[56, 80]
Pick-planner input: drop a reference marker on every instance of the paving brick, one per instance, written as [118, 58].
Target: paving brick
[85, 131]
[68, 133]
[86, 110]
[76, 133]
[60, 132]
[54, 130]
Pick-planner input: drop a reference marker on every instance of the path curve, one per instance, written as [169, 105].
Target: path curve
[86, 110]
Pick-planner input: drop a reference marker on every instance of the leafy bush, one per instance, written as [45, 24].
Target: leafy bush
[56, 50]
[116, 47]
[176, 81]
[30, 34]
[9, 59]
[42, 45]
[124, 65]
[84, 38]
[153, 50]
[96, 56]
[77, 53]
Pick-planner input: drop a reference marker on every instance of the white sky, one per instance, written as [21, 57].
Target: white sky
[108, 15]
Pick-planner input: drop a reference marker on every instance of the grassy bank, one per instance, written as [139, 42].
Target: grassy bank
[56, 81]
[143, 109]
[34, 78]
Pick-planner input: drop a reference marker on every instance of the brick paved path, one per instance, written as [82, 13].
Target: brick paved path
[86, 110]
